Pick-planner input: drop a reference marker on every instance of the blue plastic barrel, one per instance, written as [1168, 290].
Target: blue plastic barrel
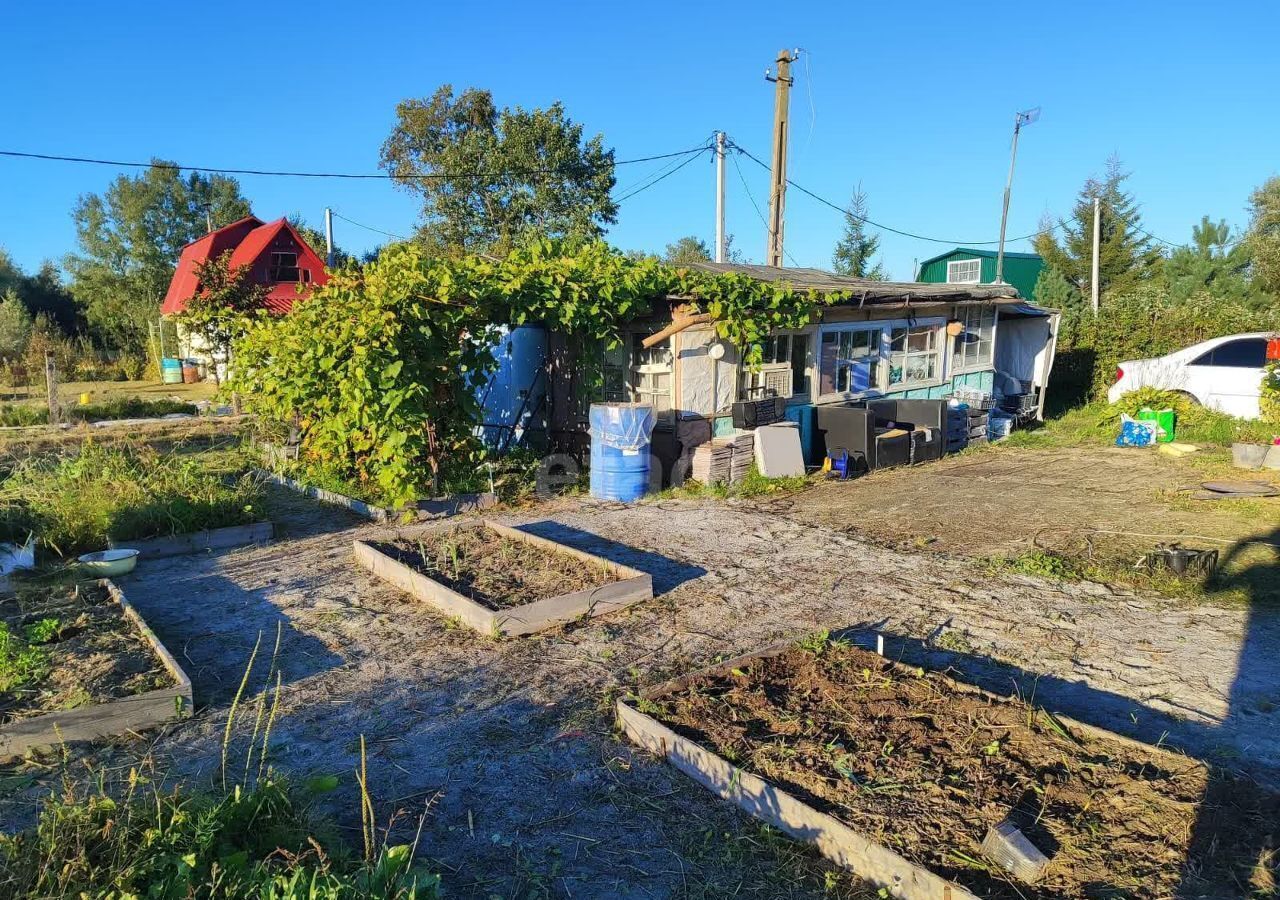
[171, 371]
[620, 450]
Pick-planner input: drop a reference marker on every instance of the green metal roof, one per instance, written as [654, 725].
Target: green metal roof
[969, 251]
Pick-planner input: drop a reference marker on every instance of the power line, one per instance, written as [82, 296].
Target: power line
[379, 176]
[763, 221]
[646, 187]
[390, 234]
[882, 227]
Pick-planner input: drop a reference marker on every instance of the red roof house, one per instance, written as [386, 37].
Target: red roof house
[275, 253]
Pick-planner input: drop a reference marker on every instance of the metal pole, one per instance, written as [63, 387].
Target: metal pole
[720, 248]
[778, 172]
[1008, 188]
[1095, 287]
[328, 237]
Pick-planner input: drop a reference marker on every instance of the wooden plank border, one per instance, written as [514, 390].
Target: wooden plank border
[127, 715]
[632, 586]
[835, 840]
[419, 510]
[199, 541]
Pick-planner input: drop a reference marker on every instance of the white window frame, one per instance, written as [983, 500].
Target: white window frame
[939, 351]
[644, 365]
[750, 381]
[959, 361]
[968, 263]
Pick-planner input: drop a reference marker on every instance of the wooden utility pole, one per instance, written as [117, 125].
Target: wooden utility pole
[1095, 286]
[51, 389]
[778, 174]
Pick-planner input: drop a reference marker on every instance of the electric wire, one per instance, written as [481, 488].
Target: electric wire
[920, 237]
[390, 234]
[646, 187]
[763, 221]
[378, 176]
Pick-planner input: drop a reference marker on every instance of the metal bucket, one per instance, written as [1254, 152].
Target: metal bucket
[171, 371]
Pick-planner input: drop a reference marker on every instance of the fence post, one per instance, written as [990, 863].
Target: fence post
[51, 386]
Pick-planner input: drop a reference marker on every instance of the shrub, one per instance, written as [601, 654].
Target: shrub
[1138, 324]
[1195, 423]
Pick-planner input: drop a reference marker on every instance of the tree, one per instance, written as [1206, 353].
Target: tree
[15, 326]
[1126, 254]
[686, 250]
[511, 171]
[1214, 262]
[856, 247]
[130, 238]
[40, 293]
[1263, 237]
[222, 308]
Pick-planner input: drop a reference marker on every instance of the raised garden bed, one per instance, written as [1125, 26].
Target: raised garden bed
[419, 510]
[502, 580]
[897, 773]
[77, 663]
[198, 541]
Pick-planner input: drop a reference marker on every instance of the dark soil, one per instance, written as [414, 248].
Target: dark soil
[924, 767]
[496, 571]
[92, 653]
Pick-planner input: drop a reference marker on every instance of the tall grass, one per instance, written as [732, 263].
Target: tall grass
[74, 502]
[137, 837]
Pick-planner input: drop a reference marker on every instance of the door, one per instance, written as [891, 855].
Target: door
[1229, 377]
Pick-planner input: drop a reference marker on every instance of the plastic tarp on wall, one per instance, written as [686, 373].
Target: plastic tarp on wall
[1026, 339]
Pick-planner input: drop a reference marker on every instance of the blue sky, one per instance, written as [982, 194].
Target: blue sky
[912, 100]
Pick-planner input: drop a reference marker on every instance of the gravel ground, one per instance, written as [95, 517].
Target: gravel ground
[511, 741]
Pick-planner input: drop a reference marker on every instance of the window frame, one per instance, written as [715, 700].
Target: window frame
[881, 373]
[795, 340]
[958, 363]
[964, 262]
[274, 268]
[1210, 357]
[937, 328]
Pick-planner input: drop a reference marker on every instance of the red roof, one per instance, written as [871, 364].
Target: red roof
[248, 240]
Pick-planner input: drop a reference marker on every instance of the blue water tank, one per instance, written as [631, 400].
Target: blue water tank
[620, 450]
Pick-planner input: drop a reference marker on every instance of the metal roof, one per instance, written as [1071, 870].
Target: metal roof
[989, 254]
[866, 290]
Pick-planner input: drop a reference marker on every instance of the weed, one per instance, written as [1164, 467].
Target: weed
[22, 664]
[752, 485]
[1037, 564]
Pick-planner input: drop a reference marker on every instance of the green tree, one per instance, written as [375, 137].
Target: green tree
[222, 308]
[1214, 262]
[130, 238]
[1263, 238]
[1126, 255]
[686, 250]
[526, 170]
[15, 326]
[43, 292]
[856, 247]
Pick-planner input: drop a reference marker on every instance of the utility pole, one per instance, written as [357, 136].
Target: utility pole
[720, 248]
[1020, 119]
[328, 237]
[1095, 287]
[778, 173]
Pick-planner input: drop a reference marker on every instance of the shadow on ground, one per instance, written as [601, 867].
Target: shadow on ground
[667, 573]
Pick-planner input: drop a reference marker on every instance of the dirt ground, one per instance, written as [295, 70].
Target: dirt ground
[1075, 500]
[98, 391]
[512, 741]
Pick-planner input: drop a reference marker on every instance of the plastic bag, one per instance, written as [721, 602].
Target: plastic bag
[1136, 434]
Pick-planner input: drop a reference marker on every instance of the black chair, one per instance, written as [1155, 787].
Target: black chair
[925, 420]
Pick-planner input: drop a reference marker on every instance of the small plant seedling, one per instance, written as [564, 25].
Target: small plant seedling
[991, 749]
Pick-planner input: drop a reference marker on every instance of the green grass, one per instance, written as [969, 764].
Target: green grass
[26, 414]
[23, 662]
[752, 485]
[249, 842]
[1099, 423]
[73, 502]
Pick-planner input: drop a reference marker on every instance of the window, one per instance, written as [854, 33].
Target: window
[283, 266]
[651, 375]
[849, 360]
[915, 356]
[964, 271]
[784, 369]
[974, 346]
[1247, 353]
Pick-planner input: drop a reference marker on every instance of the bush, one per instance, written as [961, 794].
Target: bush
[1139, 324]
[75, 503]
[256, 842]
[1195, 423]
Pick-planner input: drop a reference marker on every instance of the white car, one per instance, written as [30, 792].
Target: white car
[1224, 373]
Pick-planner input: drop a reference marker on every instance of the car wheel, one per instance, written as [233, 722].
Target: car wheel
[1190, 398]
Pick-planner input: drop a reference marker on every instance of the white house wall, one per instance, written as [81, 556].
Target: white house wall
[705, 386]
